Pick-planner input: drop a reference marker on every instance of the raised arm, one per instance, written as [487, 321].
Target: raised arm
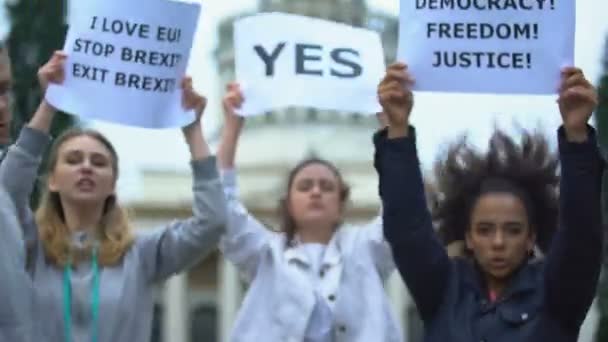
[420, 258]
[183, 243]
[371, 235]
[19, 169]
[245, 238]
[574, 259]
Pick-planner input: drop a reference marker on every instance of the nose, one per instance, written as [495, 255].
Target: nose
[316, 190]
[85, 167]
[498, 239]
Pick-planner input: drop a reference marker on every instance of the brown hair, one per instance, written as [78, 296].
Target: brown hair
[114, 229]
[528, 170]
[287, 222]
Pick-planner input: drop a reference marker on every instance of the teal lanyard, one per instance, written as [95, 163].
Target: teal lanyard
[67, 299]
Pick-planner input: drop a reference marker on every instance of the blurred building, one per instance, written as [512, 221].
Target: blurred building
[274, 142]
[202, 305]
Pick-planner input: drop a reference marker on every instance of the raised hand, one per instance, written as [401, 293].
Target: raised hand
[233, 99]
[577, 100]
[192, 100]
[396, 98]
[233, 123]
[53, 71]
[193, 133]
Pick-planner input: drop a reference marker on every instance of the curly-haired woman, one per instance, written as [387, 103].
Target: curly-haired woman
[502, 203]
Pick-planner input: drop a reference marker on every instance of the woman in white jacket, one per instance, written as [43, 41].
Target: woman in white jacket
[317, 279]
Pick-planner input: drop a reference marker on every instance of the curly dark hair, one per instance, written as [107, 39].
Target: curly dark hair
[529, 170]
[287, 223]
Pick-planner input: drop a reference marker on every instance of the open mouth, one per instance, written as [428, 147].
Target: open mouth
[85, 184]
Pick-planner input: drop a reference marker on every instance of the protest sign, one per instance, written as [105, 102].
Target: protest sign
[125, 62]
[287, 60]
[487, 46]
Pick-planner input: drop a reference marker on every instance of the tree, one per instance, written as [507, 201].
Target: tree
[38, 28]
[601, 120]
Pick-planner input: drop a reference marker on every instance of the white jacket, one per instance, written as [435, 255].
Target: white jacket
[280, 299]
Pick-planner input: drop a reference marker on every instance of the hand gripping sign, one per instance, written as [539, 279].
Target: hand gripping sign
[487, 46]
[125, 62]
[288, 60]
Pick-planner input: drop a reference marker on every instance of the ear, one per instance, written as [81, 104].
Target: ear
[531, 243]
[468, 240]
[51, 183]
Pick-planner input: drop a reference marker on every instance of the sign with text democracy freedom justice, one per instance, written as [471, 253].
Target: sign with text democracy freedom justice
[125, 62]
[487, 46]
[287, 60]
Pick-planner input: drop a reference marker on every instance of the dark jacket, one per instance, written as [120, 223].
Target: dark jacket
[546, 300]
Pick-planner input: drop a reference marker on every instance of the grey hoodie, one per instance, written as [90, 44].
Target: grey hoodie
[15, 283]
[126, 296]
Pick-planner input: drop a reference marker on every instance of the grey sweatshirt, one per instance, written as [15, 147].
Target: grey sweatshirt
[126, 302]
[15, 284]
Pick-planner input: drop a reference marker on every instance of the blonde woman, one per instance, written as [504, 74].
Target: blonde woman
[92, 275]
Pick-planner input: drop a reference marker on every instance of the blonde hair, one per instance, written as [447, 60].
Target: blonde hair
[114, 231]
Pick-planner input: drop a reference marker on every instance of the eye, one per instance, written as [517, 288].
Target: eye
[99, 160]
[514, 229]
[484, 229]
[5, 89]
[74, 157]
[327, 185]
[304, 185]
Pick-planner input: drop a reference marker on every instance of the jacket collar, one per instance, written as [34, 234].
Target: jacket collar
[524, 280]
[331, 257]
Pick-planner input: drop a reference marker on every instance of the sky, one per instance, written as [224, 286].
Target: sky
[438, 117]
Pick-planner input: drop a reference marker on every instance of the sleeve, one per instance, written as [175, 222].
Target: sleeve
[183, 243]
[245, 239]
[18, 175]
[419, 256]
[372, 237]
[573, 262]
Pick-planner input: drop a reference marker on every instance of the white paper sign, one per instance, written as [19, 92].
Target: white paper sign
[487, 46]
[126, 60]
[287, 60]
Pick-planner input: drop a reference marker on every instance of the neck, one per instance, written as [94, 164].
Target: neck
[315, 233]
[81, 217]
[495, 286]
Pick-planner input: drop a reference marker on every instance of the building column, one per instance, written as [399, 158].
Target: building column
[229, 298]
[176, 318]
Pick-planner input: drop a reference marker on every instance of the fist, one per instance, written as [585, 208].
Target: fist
[191, 99]
[577, 100]
[233, 99]
[53, 71]
[395, 96]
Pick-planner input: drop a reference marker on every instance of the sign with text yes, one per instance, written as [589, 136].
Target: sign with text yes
[287, 60]
[125, 62]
